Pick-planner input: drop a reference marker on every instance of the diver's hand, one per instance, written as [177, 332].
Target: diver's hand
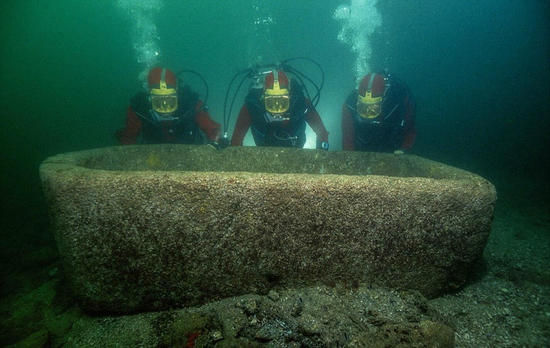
[323, 145]
[398, 152]
[214, 144]
[223, 142]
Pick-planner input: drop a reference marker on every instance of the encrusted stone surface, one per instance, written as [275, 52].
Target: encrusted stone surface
[153, 226]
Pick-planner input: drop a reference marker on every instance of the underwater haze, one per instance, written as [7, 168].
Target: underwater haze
[479, 70]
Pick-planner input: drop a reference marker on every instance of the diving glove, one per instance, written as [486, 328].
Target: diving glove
[323, 146]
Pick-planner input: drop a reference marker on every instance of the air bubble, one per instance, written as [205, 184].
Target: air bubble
[359, 21]
[144, 33]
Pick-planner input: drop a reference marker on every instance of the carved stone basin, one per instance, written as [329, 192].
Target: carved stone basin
[154, 226]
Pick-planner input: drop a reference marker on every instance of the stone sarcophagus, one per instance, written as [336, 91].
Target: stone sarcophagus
[154, 226]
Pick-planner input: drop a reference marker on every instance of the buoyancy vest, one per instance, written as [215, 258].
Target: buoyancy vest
[386, 132]
[269, 132]
[183, 130]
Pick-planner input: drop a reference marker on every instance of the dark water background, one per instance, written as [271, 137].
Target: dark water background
[479, 70]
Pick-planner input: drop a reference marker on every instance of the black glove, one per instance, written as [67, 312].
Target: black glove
[214, 144]
[223, 142]
[219, 145]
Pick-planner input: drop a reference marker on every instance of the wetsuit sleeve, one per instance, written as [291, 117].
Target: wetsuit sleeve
[210, 127]
[129, 134]
[348, 130]
[314, 120]
[241, 127]
[409, 135]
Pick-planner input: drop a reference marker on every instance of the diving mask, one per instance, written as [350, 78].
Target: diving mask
[277, 104]
[276, 98]
[368, 106]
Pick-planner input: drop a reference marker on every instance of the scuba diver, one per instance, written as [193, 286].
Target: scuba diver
[168, 113]
[277, 109]
[379, 116]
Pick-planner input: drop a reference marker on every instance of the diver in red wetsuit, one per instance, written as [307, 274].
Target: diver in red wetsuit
[277, 115]
[167, 113]
[379, 116]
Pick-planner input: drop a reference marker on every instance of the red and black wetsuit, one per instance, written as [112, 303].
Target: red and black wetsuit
[193, 124]
[394, 129]
[270, 132]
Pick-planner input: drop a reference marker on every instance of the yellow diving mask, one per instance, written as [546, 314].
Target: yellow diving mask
[164, 100]
[369, 107]
[276, 99]
[277, 104]
[164, 104]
